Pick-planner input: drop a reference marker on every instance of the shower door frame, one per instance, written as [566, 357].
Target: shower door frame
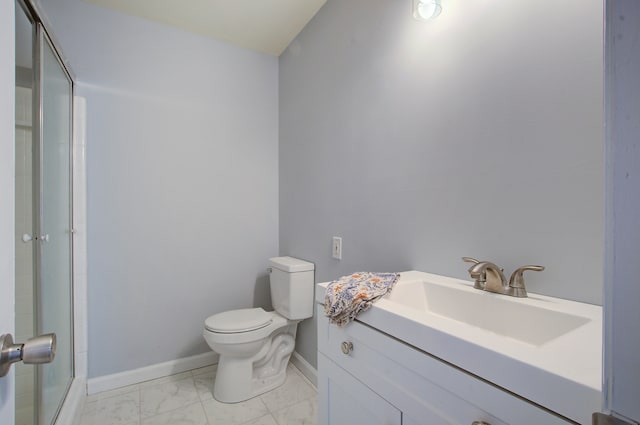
[42, 39]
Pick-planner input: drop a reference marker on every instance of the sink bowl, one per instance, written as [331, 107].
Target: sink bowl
[547, 350]
[527, 320]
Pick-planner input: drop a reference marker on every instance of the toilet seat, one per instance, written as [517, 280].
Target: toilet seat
[238, 321]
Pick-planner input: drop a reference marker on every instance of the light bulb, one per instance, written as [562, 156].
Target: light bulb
[424, 10]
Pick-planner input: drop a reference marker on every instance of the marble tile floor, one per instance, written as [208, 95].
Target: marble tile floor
[186, 399]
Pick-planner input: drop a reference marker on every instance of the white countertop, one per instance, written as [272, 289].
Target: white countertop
[563, 374]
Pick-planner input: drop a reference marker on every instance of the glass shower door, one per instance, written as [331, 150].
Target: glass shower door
[54, 247]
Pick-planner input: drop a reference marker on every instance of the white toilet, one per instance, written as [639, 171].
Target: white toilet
[255, 345]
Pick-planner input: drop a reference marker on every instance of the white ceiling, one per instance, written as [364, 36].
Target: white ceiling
[264, 25]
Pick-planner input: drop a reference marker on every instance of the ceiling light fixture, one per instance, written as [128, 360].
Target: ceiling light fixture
[424, 10]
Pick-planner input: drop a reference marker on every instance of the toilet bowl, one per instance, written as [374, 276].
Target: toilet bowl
[255, 345]
[252, 358]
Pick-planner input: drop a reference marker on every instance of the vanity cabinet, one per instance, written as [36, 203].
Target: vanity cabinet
[374, 378]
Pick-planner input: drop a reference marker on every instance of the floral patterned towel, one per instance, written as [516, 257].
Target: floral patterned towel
[350, 295]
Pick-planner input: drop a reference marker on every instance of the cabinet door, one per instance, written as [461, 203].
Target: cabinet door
[345, 400]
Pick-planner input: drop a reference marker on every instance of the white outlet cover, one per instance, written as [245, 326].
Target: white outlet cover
[336, 248]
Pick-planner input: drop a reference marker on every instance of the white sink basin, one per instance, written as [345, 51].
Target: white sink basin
[546, 350]
[508, 316]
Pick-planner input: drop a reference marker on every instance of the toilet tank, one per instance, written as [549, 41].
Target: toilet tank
[292, 287]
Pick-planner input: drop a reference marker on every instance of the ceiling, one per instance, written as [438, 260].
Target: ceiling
[263, 25]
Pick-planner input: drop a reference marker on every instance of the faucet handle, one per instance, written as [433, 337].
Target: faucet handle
[479, 279]
[517, 280]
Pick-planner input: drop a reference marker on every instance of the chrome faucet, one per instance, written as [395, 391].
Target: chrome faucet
[487, 276]
[490, 277]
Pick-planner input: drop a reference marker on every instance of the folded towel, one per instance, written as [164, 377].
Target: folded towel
[350, 295]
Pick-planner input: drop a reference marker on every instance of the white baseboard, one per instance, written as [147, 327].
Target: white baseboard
[310, 372]
[72, 406]
[160, 370]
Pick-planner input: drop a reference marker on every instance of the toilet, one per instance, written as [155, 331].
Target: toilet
[255, 345]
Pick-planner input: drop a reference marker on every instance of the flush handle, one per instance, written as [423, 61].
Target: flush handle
[37, 350]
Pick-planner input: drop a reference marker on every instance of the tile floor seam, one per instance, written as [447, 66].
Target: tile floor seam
[168, 412]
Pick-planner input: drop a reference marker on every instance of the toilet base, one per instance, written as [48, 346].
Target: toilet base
[239, 379]
[235, 390]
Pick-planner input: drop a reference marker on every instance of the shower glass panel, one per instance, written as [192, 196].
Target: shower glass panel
[54, 247]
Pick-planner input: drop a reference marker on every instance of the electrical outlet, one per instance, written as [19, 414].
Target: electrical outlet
[336, 248]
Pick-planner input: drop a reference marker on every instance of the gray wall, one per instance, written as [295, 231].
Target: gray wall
[477, 134]
[182, 161]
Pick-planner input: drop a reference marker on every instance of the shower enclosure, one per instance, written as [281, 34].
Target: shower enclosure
[43, 211]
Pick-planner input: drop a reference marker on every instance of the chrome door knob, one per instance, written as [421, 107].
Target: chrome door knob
[480, 423]
[37, 350]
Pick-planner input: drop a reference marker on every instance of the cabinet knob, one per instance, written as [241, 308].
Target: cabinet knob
[480, 423]
[347, 347]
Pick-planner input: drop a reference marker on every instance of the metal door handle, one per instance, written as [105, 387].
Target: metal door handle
[37, 350]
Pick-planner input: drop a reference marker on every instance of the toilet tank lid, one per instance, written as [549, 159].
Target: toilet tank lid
[290, 264]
